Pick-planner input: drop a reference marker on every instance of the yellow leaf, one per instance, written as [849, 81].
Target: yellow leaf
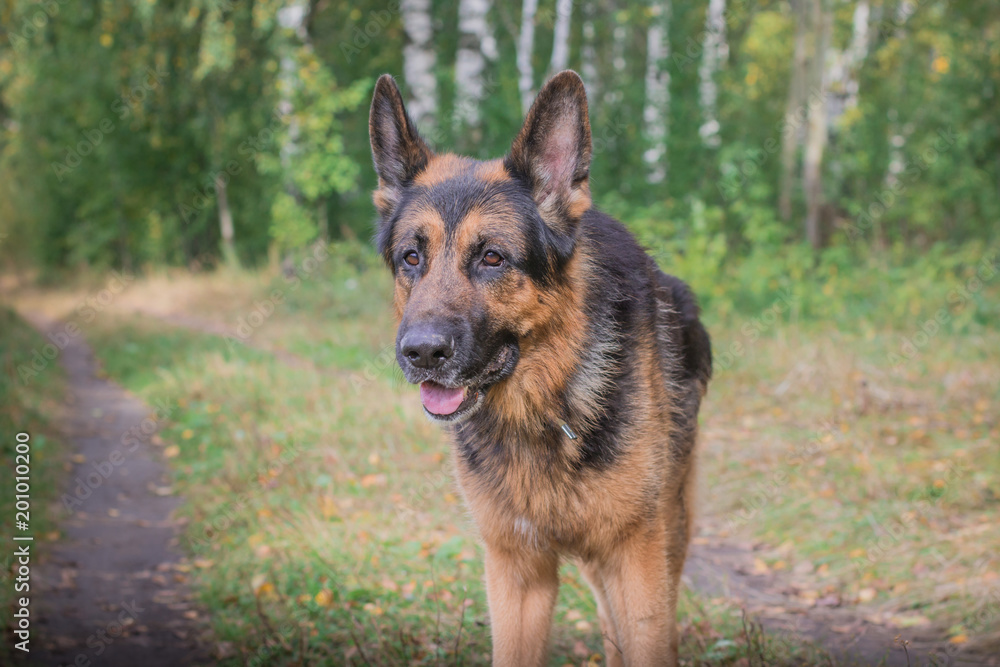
[171, 451]
[959, 639]
[856, 553]
[328, 506]
[373, 458]
[760, 567]
[867, 594]
[106, 40]
[323, 598]
[187, 434]
[261, 585]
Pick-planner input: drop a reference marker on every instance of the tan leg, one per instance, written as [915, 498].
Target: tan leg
[643, 600]
[612, 643]
[521, 589]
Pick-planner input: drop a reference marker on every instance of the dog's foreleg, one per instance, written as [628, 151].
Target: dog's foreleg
[643, 600]
[521, 588]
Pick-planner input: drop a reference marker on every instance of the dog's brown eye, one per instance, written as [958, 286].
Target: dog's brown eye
[411, 258]
[492, 258]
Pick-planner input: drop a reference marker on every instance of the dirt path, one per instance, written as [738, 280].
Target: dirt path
[720, 568]
[112, 590]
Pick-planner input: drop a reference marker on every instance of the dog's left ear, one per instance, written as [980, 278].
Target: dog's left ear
[397, 150]
[552, 152]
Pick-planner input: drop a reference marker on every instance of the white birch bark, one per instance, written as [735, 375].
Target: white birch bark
[588, 52]
[816, 133]
[560, 36]
[714, 51]
[418, 62]
[525, 49]
[476, 46]
[897, 132]
[656, 112]
[857, 52]
[797, 96]
[614, 95]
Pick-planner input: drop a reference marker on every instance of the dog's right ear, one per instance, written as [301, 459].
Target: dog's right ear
[398, 151]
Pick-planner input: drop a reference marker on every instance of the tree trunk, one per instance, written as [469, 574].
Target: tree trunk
[714, 51]
[793, 110]
[656, 111]
[560, 36]
[418, 62]
[225, 222]
[858, 51]
[588, 52]
[817, 129]
[525, 49]
[476, 45]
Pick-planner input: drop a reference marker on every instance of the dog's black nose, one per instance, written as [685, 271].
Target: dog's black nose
[426, 348]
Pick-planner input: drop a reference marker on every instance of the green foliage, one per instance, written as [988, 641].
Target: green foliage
[117, 119]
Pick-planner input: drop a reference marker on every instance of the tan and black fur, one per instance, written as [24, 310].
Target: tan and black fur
[576, 326]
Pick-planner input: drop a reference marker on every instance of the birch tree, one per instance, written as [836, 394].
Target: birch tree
[816, 132]
[476, 46]
[797, 95]
[588, 52]
[419, 60]
[656, 111]
[560, 36]
[714, 51]
[525, 49]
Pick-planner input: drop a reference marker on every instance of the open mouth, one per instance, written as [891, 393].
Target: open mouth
[447, 403]
[451, 404]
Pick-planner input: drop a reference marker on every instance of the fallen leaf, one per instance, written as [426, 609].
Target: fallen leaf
[867, 594]
[323, 598]
[959, 639]
[171, 451]
[373, 480]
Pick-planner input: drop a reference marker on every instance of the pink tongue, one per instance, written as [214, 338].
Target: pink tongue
[440, 400]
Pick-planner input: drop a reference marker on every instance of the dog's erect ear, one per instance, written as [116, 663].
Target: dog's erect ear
[398, 151]
[552, 151]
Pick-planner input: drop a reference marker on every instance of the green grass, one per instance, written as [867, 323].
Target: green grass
[323, 522]
[28, 404]
[322, 519]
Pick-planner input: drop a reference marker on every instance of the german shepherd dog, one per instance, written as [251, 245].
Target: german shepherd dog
[566, 366]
